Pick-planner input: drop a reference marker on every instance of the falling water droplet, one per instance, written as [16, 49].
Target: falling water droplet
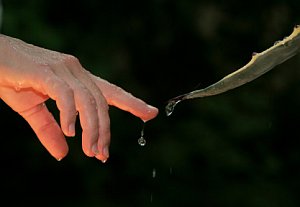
[170, 106]
[153, 173]
[141, 140]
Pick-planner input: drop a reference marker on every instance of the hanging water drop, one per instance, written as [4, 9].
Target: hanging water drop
[170, 106]
[141, 140]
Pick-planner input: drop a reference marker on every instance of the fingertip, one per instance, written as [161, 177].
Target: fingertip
[58, 152]
[89, 152]
[103, 157]
[68, 119]
[150, 113]
[95, 149]
[71, 130]
[60, 157]
[105, 152]
[54, 142]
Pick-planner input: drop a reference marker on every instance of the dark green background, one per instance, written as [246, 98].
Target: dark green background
[241, 148]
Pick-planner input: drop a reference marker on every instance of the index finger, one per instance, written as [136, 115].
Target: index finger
[120, 98]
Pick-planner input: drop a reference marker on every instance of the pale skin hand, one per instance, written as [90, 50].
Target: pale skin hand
[30, 75]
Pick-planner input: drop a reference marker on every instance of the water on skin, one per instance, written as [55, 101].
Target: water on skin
[18, 86]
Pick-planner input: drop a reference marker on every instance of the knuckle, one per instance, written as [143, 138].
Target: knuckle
[85, 95]
[70, 60]
[67, 90]
[59, 86]
[45, 126]
[92, 101]
[104, 106]
[27, 113]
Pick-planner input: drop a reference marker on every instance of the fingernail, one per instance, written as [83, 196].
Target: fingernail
[72, 129]
[106, 152]
[95, 149]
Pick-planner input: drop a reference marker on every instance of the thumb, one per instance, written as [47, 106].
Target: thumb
[47, 130]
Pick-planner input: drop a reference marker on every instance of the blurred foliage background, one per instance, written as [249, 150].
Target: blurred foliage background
[241, 148]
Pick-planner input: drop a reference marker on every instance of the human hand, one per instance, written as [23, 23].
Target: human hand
[30, 75]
